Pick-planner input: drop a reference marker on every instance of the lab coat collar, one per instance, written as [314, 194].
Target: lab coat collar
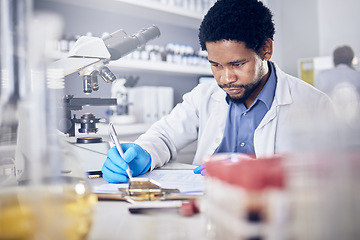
[282, 92]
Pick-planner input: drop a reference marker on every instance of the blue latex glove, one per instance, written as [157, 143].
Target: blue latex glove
[114, 168]
[200, 169]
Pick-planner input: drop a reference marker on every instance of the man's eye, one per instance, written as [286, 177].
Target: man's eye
[238, 64]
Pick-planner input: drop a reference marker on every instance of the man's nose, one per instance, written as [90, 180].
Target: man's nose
[228, 75]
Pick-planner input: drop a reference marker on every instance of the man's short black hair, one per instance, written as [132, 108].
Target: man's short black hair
[247, 21]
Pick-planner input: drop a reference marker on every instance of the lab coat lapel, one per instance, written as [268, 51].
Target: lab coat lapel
[265, 133]
[282, 97]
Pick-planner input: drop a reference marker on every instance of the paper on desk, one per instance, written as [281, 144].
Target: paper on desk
[177, 166]
[184, 180]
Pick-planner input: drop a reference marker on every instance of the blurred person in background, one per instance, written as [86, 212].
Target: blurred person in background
[343, 75]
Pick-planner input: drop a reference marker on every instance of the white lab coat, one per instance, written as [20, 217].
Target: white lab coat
[203, 113]
[328, 80]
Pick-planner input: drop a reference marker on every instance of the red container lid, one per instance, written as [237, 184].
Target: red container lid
[252, 175]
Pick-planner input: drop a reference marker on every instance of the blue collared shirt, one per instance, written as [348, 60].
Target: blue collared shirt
[242, 122]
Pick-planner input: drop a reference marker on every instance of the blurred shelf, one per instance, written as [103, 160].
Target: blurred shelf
[152, 10]
[144, 9]
[159, 67]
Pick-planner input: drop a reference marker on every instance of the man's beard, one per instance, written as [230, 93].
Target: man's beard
[248, 90]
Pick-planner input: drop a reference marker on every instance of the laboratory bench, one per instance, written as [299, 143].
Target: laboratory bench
[113, 221]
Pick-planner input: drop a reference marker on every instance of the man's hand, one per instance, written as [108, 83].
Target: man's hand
[114, 168]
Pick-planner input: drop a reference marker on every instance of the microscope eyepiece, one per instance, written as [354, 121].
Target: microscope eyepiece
[147, 34]
[120, 44]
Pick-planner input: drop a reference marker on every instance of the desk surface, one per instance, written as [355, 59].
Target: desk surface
[112, 220]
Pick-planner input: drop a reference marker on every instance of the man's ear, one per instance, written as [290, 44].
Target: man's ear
[267, 50]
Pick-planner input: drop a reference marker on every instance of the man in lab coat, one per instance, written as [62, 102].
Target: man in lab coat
[252, 107]
[330, 81]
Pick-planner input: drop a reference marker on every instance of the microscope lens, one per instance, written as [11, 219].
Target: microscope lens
[87, 84]
[107, 75]
[95, 83]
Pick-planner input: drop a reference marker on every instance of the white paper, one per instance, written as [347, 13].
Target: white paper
[184, 180]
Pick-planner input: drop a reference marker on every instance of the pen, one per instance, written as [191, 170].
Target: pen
[113, 136]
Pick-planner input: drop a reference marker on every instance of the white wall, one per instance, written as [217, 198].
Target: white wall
[312, 28]
[339, 24]
[296, 32]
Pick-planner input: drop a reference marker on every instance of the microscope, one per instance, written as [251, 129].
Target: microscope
[89, 57]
